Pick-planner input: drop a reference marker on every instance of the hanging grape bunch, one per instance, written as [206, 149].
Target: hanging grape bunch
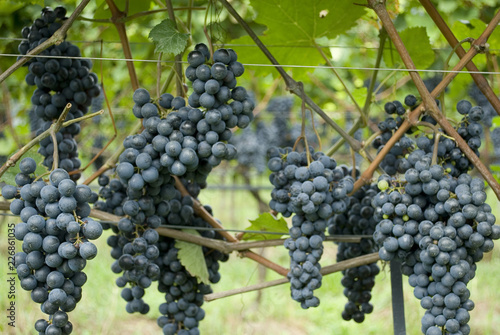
[433, 217]
[59, 81]
[56, 235]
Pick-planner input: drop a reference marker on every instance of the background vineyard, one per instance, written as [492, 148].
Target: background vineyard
[271, 311]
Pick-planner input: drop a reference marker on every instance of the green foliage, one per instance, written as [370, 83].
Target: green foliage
[8, 7]
[295, 26]
[167, 39]
[10, 175]
[417, 43]
[266, 222]
[191, 256]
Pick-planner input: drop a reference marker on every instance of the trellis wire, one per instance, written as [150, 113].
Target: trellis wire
[333, 46]
[266, 232]
[262, 65]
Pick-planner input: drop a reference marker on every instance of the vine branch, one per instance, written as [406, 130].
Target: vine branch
[54, 127]
[478, 78]
[429, 105]
[291, 84]
[204, 214]
[116, 16]
[340, 266]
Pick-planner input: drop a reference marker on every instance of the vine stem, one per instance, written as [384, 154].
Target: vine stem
[55, 126]
[56, 38]
[226, 247]
[340, 266]
[115, 131]
[53, 130]
[178, 58]
[479, 79]
[204, 214]
[116, 16]
[111, 162]
[361, 122]
[291, 84]
[429, 105]
[327, 60]
[435, 149]
[55, 155]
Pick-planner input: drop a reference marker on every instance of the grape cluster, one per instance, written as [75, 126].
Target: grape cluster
[214, 86]
[56, 233]
[448, 154]
[440, 227]
[495, 138]
[180, 140]
[489, 112]
[142, 256]
[394, 161]
[182, 312]
[313, 192]
[280, 108]
[134, 245]
[358, 281]
[59, 81]
[187, 143]
[252, 145]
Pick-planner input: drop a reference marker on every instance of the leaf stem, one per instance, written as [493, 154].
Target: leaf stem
[178, 58]
[347, 90]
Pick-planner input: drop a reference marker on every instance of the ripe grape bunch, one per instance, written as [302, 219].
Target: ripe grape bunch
[358, 219]
[56, 233]
[192, 139]
[59, 80]
[185, 141]
[407, 150]
[313, 193]
[437, 222]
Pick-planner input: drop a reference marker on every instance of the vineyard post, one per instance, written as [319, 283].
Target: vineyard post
[398, 303]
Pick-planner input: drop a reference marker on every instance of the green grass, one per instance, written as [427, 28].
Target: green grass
[102, 310]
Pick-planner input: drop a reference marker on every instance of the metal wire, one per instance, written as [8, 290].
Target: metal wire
[213, 229]
[333, 46]
[265, 65]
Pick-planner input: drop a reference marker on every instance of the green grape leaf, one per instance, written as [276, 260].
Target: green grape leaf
[464, 29]
[266, 222]
[359, 95]
[167, 39]
[495, 121]
[9, 7]
[192, 258]
[10, 175]
[418, 45]
[293, 30]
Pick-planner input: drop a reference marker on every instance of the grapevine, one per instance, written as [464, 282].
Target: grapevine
[409, 185]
